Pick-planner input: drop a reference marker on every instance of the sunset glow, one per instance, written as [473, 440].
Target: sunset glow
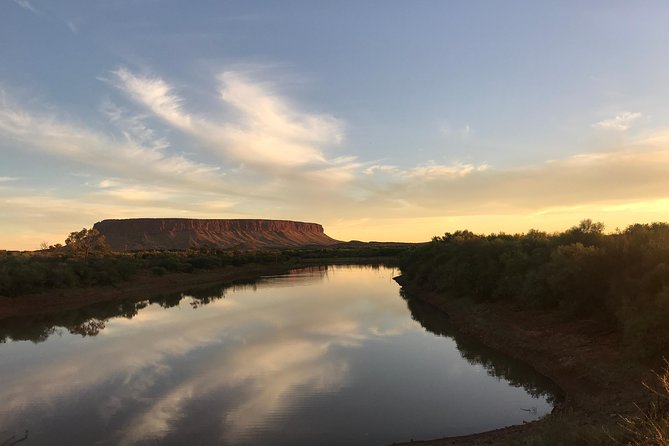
[384, 121]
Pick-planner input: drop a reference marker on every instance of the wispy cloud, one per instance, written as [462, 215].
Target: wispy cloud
[271, 128]
[620, 122]
[25, 4]
[72, 27]
[267, 130]
[155, 94]
[133, 127]
[429, 171]
[130, 158]
[585, 179]
[262, 155]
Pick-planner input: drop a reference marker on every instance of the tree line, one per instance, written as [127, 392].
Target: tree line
[620, 279]
[86, 260]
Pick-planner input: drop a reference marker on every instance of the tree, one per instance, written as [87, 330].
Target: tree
[587, 232]
[86, 241]
[587, 226]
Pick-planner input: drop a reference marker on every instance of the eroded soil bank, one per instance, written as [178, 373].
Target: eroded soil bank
[586, 361]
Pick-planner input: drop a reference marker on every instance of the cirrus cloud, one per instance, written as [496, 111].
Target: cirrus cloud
[620, 122]
[268, 132]
[262, 156]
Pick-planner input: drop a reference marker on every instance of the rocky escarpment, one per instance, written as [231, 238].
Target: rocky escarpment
[184, 233]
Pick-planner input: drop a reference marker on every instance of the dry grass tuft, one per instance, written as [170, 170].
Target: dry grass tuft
[651, 427]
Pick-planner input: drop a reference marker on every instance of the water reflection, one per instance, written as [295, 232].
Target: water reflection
[285, 360]
[496, 364]
[88, 321]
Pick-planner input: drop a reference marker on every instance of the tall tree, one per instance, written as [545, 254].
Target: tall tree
[86, 241]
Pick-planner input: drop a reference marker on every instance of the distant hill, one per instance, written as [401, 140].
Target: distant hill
[183, 233]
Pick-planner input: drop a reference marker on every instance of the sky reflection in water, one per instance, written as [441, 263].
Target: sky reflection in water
[325, 355]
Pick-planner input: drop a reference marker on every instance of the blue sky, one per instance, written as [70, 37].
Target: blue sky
[382, 120]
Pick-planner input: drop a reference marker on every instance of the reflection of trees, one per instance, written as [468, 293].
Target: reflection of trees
[90, 320]
[16, 329]
[89, 328]
[496, 364]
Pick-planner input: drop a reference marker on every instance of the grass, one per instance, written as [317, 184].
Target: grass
[651, 426]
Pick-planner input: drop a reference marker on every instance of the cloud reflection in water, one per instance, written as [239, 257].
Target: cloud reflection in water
[236, 370]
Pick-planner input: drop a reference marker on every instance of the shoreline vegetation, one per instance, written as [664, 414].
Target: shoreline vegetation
[584, 361]
[141, 286]
[586, 309]
[59, 278]
[619, 281]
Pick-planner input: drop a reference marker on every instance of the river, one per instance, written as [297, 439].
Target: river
[329, 356]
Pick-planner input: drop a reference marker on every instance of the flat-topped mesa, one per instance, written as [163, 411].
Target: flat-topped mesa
[183, 233]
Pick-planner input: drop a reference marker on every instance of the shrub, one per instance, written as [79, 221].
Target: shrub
[621, 279]
[158, 270]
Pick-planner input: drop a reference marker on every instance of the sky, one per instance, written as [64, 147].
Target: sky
[381, 120]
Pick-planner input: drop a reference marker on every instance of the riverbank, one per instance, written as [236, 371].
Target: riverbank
[585, 359]
[146, 284]
[142, 286]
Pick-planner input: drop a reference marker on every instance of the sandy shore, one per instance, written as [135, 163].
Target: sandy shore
[583, 358]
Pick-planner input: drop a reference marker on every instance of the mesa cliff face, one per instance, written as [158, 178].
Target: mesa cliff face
[183, 233]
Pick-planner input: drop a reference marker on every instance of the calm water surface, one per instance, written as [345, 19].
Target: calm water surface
[327, 356]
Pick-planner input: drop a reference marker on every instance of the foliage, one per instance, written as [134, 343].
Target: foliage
[86, 261]
[86, 241]
[621, 279]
